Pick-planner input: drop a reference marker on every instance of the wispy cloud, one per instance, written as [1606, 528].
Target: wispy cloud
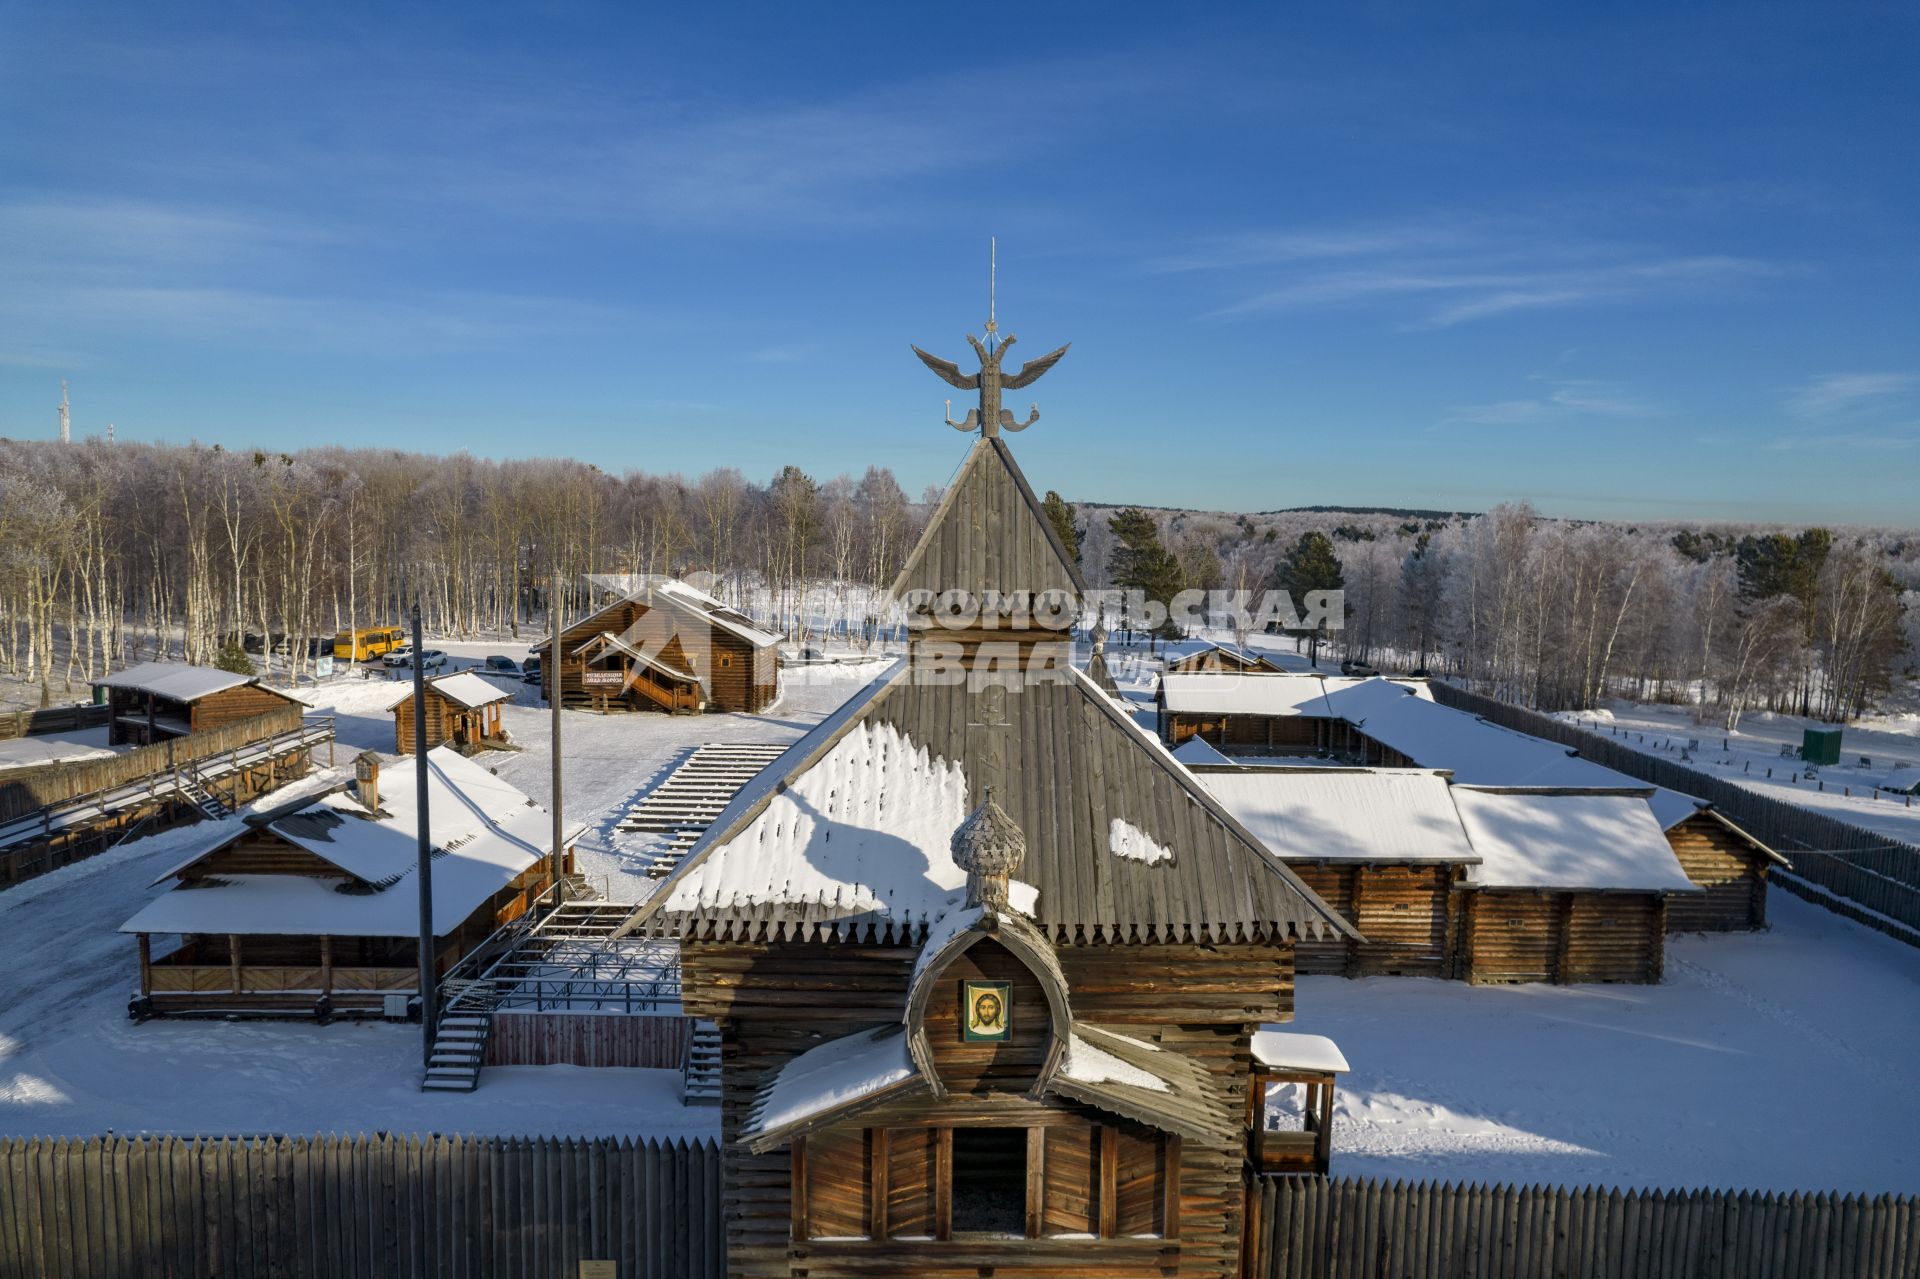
[1905, 436]
[1439, 291]
[1832, 394]
[1562, 400]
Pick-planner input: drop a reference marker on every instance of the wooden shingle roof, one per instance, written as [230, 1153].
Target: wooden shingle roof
[990, 533]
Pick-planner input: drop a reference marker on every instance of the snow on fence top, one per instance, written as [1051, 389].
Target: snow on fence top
[1347, 815]
[1603, 840]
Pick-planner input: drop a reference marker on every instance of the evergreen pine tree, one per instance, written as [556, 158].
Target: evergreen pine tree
[1142, 563]
[233, 657]
[1060, 515]
[1310, 566]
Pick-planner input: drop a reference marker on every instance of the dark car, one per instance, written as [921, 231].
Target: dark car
[498, 665]
[1356, 668]
[530, 673]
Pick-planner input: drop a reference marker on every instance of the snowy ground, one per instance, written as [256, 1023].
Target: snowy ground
[71, 1062]
[1774, 1060]
[1778, 1060]
[1747, 755]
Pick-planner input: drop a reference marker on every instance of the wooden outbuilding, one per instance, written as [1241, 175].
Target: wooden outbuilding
[1385, 848]
[312, 906]
[1211, 657]
[154, 701]
[1388, 724]
[987, 963]
[1572, 886]
[463, 711]
[666, 646]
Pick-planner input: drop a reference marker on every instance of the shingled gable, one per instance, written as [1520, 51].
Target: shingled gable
[847, 832]
[989, 533]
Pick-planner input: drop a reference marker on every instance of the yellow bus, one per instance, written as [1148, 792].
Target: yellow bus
[367, 643]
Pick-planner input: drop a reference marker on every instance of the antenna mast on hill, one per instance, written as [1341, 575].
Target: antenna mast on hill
[66, 419]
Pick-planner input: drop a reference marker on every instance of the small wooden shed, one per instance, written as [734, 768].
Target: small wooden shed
[1572, 886]
[463, 711]
[1729, 865]
[154, 701]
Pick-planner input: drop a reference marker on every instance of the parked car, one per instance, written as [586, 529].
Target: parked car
[1356, 668]
[530, 673]
[498, 665]
[402, 656]
[432, 659]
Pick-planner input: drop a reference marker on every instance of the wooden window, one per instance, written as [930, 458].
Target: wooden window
[990, 1181]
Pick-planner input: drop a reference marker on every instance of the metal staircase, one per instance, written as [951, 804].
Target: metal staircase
[693, 795]
[700, 1068]
[460, 1044]
[195, 791]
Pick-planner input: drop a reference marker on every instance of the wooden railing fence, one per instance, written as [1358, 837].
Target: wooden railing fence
[52, 719]
[43, 786]
[1876, 873]
[1313, 1228]
[397, 1207]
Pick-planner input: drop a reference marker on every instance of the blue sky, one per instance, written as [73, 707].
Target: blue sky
[1623, 261]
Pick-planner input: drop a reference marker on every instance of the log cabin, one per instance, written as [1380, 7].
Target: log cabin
[1384, 847]
[665, 646]
[1211, 657]
[463, 711]
[1572, 886]
[312, 906]
[1396, 724]
[154, 701]
[986, 962]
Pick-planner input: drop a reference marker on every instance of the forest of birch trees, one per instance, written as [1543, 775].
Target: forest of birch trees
[116, 553]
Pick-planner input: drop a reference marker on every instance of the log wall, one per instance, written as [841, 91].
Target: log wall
[1732, 873]
[657, 1042]
[1511, 935]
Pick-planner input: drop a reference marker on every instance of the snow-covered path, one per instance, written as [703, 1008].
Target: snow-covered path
[1777, 1060]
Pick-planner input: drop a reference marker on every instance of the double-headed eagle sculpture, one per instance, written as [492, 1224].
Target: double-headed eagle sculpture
[989, 419]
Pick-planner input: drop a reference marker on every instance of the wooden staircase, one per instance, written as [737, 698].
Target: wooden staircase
[686, 803]
[700, 1068]
[194, 791]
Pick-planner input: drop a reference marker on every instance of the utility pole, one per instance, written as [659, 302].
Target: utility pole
[66, 418]
[428, 977]
[553, 701]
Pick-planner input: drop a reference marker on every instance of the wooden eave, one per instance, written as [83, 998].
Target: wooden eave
[1030, 947]
[1192, 1104]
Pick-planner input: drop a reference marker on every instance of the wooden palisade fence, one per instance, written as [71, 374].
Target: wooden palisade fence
[397, 1207]
[52, 719]
[1314, 1228]
[36, 788]
[1875, 873]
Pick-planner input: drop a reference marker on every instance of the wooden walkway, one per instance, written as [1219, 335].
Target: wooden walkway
[686, 803]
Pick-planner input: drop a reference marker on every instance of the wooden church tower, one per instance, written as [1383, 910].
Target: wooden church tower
[986, 962]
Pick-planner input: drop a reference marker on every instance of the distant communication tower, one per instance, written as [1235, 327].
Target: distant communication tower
[66, 418]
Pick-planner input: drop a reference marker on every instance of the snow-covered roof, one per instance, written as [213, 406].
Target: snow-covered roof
[1346, 815]
[465, 688]
[851, 826]
[484, 833]
[1197, 750]
[1904, 779]
[1258, 693]
[1087, 1064]
[1481, 753]
[38, 752]
[828, 1078]
[1605, 840]
[1308, 1054]
[719, 614]
[865, 830]
[176, 681]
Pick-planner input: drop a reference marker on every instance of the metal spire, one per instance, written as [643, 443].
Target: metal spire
[993, 287]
